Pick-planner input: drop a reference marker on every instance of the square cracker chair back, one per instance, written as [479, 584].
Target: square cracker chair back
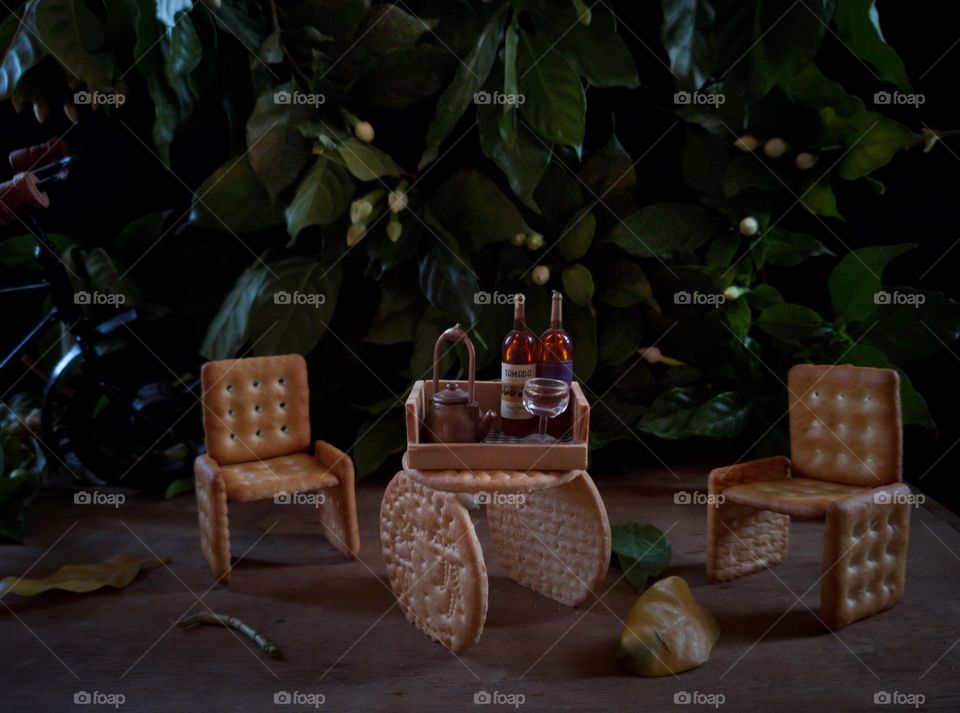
[845, 424]
[255, 408]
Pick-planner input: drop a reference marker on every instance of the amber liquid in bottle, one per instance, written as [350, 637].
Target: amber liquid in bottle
[518, 362]
[555, 361]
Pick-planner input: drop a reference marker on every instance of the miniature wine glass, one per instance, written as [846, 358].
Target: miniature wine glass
[545, 398]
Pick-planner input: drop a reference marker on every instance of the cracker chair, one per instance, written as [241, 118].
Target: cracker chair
[256, 421]
[845, 467]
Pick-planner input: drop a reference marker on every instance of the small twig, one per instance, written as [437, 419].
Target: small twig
[206, 617]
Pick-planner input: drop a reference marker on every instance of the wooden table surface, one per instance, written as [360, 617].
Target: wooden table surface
[344, 638]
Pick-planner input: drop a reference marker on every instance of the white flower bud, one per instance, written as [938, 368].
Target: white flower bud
[534, 241]
[805, 160]
[364, 131]
[747, 142]
[520, 239]
[394, 230]
[360, 210]
[397, 200]
[355, 234]
[540, 275]
[749, 226]
[775, 148]
[41, 110]
[651, 355]
[733, 292]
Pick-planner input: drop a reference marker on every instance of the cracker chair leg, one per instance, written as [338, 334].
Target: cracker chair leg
[741, 539]
[338, 511]
[865, 554]
[434, 562]
[212, 515]
[555, 541]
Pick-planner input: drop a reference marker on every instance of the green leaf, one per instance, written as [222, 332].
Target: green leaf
[595, 51]
[722, 416]
[185, 51]
[577, 237]
[793, 325]
[367, 162]
[387, 28]
[763, 296]
[622, 333]
[403, 77]
[611, 176]
[858, 24]
[685, 35]
[229, 329]
[233, 199]
[294, 306]
[819, 199]
[17, 253]
[469, 77]
[581, 323]
[511, 88]
[749, 172]
[559, 195]
[554, 103]
[643, 551]
[871, 140]
[21, 50]
[664, 229]
[669, 415]
[322, 197]
[74, 35]
[523, 162]
[379, 436]
[178, 487]
[784, 248]
[277, 149]
[470, 205]
[910, 331]
[429, 328]
[167, 10]
[624, 284]
[396, 318]
[855, 282]
[578, 284]
[789, 36]
[450, 285]
[813, 90]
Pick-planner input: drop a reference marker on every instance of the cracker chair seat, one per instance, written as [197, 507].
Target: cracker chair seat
[803, 498]
[259, 480]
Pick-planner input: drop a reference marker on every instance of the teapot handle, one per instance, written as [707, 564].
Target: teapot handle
[456, 334]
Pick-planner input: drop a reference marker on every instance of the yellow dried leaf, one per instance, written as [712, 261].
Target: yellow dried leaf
[117, 572]
[667, 631]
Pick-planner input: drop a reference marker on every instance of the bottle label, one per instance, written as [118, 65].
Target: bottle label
[512, 379]
[562, 370]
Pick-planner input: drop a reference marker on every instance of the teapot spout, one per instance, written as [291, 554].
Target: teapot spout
[487, 419]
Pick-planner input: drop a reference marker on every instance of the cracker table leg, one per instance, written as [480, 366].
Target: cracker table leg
[212, 516]
[338, 511]
[554, 541]
[434, 562]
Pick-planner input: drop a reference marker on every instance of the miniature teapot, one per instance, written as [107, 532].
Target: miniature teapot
[453, 415]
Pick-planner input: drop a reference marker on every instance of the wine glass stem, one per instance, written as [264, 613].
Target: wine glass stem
[543, 425]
